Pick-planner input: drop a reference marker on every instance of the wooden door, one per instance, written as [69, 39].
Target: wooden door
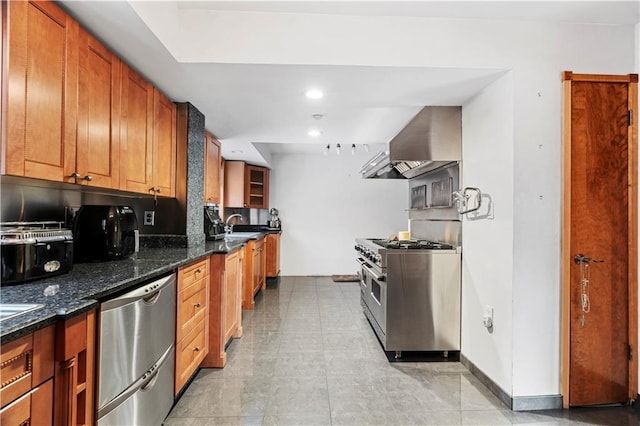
[234, 187]
[98, 145]
[600, 242]
[42, 82]
[249, 275]
[164, 145]
[231, 297]
[272, 255]
[212, 169]
[136, 139]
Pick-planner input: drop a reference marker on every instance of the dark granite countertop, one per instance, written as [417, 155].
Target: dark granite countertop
[256, 228]
[80, 290]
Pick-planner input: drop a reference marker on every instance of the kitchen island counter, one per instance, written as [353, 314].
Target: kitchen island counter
[80, 290]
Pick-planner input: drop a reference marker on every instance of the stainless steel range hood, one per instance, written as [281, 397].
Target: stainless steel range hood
[432, 139]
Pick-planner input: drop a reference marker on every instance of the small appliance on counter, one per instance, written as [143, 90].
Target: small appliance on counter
[213, 225]
[274, 222]
[103, 233]
[32, 250]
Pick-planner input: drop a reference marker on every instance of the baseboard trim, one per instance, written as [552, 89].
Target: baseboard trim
[538, 402]
[519, 403]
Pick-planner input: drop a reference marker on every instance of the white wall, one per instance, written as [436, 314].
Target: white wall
[325, 204]
[487, 259]
[536, 53]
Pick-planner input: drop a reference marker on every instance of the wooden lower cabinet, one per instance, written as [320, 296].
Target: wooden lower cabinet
[26, 368]
[272, 255]
[254, 272]
[75, 370]
[192, 320]
[225, 321]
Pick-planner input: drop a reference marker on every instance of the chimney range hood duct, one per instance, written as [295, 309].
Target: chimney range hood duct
[432, 139]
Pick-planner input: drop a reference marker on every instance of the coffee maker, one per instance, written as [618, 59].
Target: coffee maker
[213, 225]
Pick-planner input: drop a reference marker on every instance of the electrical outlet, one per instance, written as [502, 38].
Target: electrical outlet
[149, 217]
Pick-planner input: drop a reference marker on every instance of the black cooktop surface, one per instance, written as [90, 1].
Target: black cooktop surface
[413, 244]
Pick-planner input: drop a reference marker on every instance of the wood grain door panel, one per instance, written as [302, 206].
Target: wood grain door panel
[599, 344]
[41, 92]
[98, 115]
[212, 170]
[136, 150]
[164, 145]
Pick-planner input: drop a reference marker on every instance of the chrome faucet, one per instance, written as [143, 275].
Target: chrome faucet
[229, 228]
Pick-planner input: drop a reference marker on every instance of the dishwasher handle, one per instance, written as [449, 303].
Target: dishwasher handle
[147, 293]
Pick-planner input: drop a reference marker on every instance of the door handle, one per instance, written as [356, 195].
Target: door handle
[580, 259]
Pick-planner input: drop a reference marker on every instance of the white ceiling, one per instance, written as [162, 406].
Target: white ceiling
[259, 108]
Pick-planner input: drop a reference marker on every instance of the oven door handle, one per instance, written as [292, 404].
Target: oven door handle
[377, 277]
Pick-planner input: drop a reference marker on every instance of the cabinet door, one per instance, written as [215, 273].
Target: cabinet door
[74, 380]
[136, 139]
[234, 187]
[272, 254]
[41, 92]
[212, 170]
[231, 296]
[258, 266]
[98, 145]
[164, 145]
[256, 187]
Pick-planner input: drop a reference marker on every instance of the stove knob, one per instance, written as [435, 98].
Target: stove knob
[378, 258]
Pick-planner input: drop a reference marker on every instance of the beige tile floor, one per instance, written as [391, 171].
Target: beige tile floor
[309, 357]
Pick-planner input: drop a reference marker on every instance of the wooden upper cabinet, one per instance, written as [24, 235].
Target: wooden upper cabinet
[164, 145]
[136, 133]
[257, 187]
[98, 143]
[41, 58]
[246, 185]
[212, 169]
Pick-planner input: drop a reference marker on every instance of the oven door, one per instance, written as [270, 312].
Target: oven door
[373, 289]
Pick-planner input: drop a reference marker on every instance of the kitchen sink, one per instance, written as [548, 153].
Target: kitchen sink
[10, 310]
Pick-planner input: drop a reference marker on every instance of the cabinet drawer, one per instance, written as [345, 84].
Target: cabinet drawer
[25, 363]
[192, 306]
[190, 352]
[188, 275]
[33, 408]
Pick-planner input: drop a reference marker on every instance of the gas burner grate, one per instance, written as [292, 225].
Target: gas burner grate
[413, 245]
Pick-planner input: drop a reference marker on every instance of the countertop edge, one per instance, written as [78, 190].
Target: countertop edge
[86, 302]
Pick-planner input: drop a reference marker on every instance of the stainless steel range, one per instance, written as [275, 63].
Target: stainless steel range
[410, 293]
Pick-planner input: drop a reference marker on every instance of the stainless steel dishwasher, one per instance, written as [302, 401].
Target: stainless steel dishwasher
[136, 355]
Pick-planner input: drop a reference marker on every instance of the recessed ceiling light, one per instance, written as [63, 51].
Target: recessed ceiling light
[314, 133]
[317, 116]
[314, 94]
[237, 151]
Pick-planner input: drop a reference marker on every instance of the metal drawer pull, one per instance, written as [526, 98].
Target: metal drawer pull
[197, 305]
[198, 271]
[74, 175]
[88, 178]
[197, 349]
